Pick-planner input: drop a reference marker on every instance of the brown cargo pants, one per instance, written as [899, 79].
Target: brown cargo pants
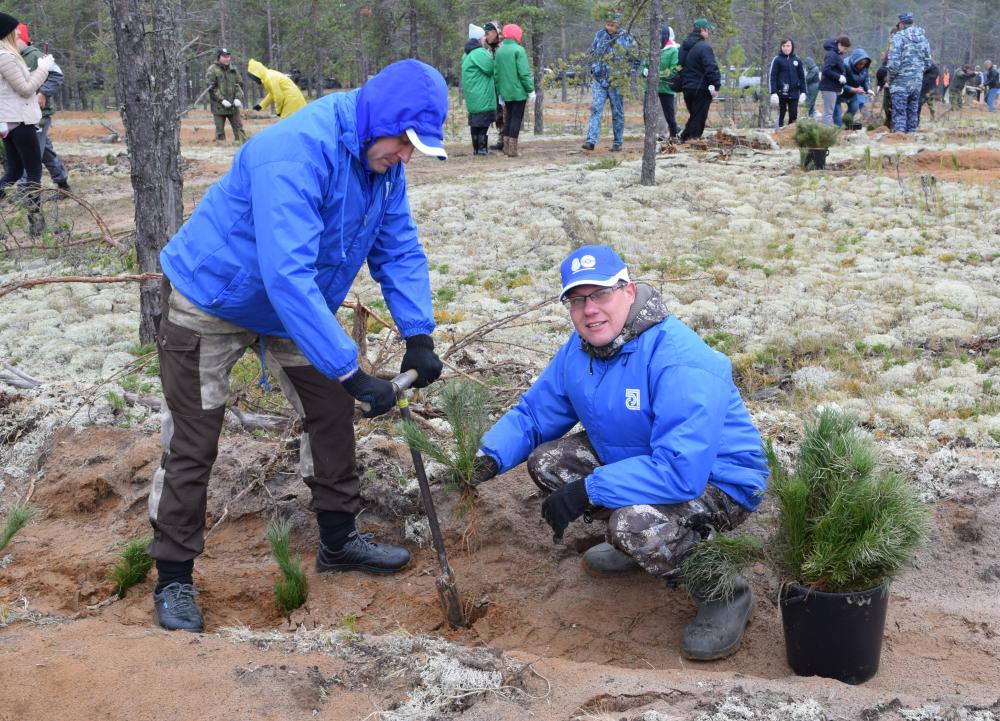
[197, 352]
[658, 537]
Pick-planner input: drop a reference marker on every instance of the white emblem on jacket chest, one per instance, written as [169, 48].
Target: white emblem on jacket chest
[632, 399]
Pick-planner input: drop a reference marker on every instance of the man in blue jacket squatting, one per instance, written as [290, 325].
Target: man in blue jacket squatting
[264, 262]
[668, 453]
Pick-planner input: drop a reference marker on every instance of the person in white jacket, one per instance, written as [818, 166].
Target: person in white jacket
[19, 117]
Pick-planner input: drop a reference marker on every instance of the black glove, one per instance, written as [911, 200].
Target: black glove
[420, 357]
[377, 393]
[257, 107]
[484, 469]
[564, 506]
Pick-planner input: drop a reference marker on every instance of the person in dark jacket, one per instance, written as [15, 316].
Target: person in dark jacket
[225, 89]
[858, 87]
[992, 85]
[264, 262]
[812, 84]
[668, 453]
[833, 77]
[927, 89]
[54, 81]
[788, 82]
[700, 78]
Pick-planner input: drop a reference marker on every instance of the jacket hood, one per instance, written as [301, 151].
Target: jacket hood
[913, 33]
[666, 35]
[810, 63]
[693, 38]
[470, 45]
[856, 56]
[256, 68]
[830, 45]
[780, 52]
[406, 95]
[513, 32]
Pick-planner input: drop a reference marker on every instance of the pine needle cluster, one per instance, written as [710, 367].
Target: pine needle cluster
[812, 134]
[133, 565]
[467, 408]
[292, 589]
[18, 516]
[844, 522]
[710, 570]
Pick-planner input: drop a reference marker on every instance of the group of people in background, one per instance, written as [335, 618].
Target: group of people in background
[497, 83]
[28, 78]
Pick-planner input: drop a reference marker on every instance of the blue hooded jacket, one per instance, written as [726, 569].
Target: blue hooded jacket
[856, 78]
[276, 243]
[663, 415]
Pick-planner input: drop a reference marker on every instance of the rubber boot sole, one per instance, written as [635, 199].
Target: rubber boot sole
[729, 650]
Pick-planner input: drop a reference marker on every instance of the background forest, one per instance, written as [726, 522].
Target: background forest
[332, 44]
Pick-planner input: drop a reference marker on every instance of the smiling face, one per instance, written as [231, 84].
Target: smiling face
[599, 323]
[389, 150]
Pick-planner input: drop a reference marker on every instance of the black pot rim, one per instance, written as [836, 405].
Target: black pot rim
[806, 591]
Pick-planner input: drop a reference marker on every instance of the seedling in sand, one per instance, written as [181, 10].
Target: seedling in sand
[18, 517]
[133, 565]
[292, 589]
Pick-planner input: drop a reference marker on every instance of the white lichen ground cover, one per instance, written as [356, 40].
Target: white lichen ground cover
[858, 289]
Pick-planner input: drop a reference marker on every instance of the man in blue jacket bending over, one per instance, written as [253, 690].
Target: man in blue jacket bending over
[264, 262]
[668, 453]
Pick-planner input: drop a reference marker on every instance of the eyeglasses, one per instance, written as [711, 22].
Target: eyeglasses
[598, 297]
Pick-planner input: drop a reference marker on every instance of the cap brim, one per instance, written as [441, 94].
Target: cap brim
[603, 282]
[427, 146]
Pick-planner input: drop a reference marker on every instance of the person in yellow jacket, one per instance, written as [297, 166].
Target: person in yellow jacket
[281, 89]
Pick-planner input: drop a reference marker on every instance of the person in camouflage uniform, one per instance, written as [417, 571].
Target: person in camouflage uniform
[956, 91]
[225, 88]
[668, 454]
[909, 57]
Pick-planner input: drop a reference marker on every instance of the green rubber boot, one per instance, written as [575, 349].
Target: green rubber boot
[717, 630]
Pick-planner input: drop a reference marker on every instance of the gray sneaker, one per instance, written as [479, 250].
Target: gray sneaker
[606, 560]
[176, 609]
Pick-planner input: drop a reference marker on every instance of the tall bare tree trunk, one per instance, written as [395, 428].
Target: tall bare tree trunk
[413, 29]
[148, 49]
[563, 81]
[766, 47]
[651, 102]
[222, 23]
[538, 53]
[270, 37]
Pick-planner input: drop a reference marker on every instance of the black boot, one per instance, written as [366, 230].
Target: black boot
[717, 630]
[484, 142]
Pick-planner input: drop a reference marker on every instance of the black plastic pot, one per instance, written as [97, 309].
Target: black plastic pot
[816, 158]
[834, 635]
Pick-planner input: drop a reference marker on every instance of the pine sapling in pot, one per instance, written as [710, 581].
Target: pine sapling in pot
[814, 140]
[847, 525]
[467, 408]
[292, 589]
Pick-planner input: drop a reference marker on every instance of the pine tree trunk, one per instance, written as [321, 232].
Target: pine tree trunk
[766, 47]
[538, 50]
[651, 102]
[147, 49]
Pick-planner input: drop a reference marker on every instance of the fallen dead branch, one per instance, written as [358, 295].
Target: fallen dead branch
[478, 334]
[125, 278]
[19, 379]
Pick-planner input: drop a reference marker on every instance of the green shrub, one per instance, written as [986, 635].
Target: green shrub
[811, 134]
[845, 523]
[292, 589]
[133, 565]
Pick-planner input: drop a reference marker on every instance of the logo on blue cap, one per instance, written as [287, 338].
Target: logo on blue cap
[592, 265]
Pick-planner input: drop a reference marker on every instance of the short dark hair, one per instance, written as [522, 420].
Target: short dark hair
[844, 40]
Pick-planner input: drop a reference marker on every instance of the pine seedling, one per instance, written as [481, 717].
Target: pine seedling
[710, 570]
[845, 523]
[292, 589]
[466, 406]
[18, 516]
[133, 565]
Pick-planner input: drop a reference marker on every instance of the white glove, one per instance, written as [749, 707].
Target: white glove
[46, 62]
[774, 98]
[711, 89]
[802, 98]
[226, 104]
[531, 96]
[238, 103]
[843, 80]
[502, 103]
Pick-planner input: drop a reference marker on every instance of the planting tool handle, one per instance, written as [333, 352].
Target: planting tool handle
[400, 383]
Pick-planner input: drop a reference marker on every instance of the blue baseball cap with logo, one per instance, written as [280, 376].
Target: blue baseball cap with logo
[592, 265]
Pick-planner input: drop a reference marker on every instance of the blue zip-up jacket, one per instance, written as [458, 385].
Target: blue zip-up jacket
[274, 245]
[856, 78]
[663, 415]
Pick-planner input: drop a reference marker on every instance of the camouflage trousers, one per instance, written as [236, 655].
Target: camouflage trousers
[658, 537]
